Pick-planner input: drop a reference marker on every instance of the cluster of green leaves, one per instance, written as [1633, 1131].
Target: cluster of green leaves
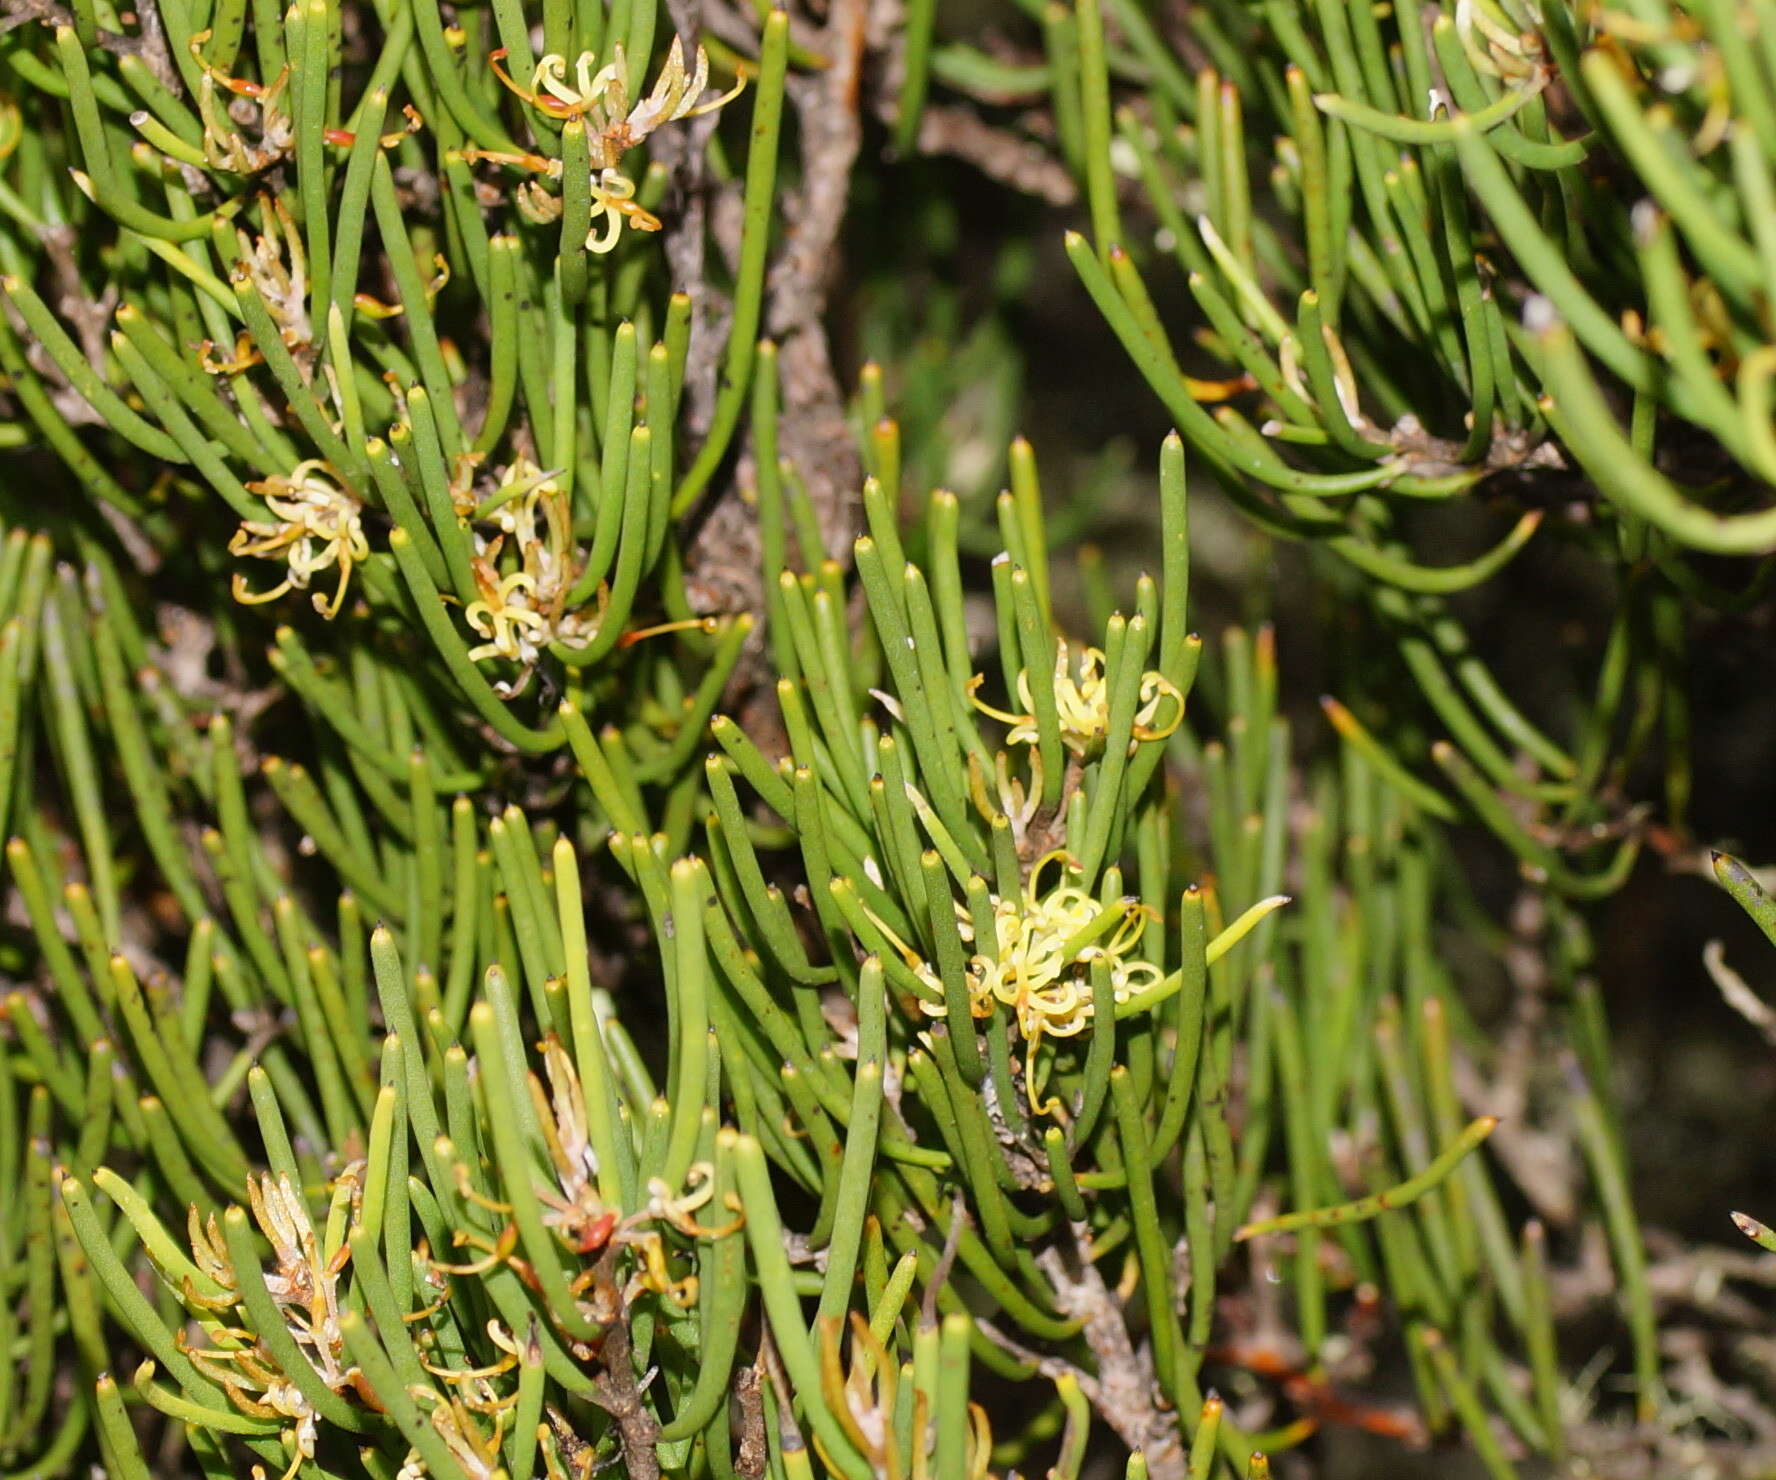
[1432, 249]
[1059, 1122]
[492, 454]
[960, 993]
[974, 1035]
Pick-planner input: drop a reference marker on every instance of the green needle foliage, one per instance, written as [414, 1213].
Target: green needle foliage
[1445, 253]
[461, 443]
[501, 993]
[981, 1081]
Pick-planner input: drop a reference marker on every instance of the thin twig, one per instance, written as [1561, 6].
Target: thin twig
[1126, 1389]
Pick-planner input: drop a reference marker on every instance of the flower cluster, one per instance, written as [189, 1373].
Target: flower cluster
[600, 97]
[454, 1419]
[579, 1216]
[1040, 959]
[319, 525]
[864, 1390]
[522, 608]
[275, 262]
[304, 1285]
[1082, 701]
[576, 1213]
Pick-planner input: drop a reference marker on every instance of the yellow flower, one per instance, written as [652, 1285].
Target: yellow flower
[523, 609]
[587, 1226]
[1082, 703]
[275, 263]
[318, 525]
[305, 1287]
[865, 1392]
[600, 96]
[506, 615]
[1044, 947]
[225, 143]
[1039, 962]
[574, 1209]
[476, 1454]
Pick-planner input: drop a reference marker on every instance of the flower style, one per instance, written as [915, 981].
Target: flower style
[1082, 701]
[613, 127]
[318, 525]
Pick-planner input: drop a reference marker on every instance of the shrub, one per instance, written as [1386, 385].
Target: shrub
[572, 916]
